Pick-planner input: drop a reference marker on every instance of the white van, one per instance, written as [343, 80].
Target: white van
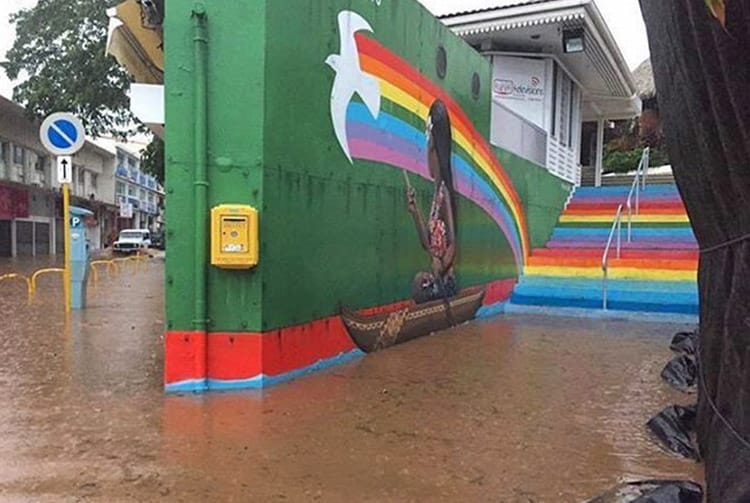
[132, 240]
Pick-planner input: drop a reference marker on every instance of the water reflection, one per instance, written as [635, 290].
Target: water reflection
[515, 409]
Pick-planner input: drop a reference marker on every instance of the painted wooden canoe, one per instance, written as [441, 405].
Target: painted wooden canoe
[373, 332]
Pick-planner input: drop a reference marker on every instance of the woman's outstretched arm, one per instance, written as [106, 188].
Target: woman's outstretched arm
[411, 205]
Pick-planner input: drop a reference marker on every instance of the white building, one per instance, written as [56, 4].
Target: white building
[555, 66]
[30, 198]
[139, 195]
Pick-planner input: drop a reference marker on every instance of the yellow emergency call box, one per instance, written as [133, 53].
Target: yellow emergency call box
[234, 236]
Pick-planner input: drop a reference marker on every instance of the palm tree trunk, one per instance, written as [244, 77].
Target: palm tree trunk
[702, 74]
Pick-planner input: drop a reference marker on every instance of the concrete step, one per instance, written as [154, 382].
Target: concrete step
[675, 219]
[588, 178]
[660, 297]
[614, 262]
[615, 201]
[619, 179]
[639, 244]
[636, 273]
[597, 294]
[614, 284]
[584, 207]
[614, 302]
[639, 233]
[625, 254]
[665, 226]
[624, 190]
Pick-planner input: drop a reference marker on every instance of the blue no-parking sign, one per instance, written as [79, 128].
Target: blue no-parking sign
[62, 134]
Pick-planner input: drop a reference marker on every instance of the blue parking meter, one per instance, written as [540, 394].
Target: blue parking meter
[79, 257]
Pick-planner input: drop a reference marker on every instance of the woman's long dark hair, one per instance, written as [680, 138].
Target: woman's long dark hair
[442, 139]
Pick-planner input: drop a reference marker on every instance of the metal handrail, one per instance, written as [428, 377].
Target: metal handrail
[616, 226]
[639, 184]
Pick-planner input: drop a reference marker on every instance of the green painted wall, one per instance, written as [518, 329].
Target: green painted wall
[543, 194]
[340, 233]
[235, 142]
[331, 233]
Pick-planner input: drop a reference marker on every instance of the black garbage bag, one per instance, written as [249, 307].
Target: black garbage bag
[682, 374]
[684, 343]
[653, 491]
[673, 428]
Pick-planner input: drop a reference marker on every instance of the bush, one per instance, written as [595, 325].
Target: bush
[622, 162]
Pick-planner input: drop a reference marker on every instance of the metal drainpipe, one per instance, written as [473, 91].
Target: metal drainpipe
[200, 183]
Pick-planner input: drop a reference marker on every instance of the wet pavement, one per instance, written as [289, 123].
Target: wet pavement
[516, 409]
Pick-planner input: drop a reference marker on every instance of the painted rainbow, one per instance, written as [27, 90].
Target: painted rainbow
[397, 138]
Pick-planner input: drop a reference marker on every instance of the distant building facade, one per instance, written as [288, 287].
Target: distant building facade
[139, 196]
[31, 221]
[28, 209]
[107, 181]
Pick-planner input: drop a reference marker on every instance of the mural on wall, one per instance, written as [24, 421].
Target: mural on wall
[384, 110]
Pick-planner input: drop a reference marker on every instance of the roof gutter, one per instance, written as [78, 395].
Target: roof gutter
[453, 21]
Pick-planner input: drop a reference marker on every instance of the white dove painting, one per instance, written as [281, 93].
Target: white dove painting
[350, 78]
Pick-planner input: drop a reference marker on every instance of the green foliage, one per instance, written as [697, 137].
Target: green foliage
[60, 52]
[152, 159]
[624, 161]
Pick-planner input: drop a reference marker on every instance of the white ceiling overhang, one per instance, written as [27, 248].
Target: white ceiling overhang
[536, 28]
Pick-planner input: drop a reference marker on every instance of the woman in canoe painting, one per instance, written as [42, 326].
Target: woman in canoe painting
[437, 233]
[437, 303]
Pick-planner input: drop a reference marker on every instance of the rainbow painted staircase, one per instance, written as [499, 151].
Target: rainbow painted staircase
[656, 271]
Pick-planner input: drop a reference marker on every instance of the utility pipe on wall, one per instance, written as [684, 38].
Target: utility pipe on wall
[200, 182]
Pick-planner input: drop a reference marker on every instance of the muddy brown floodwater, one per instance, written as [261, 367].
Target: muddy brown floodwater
[516, 409]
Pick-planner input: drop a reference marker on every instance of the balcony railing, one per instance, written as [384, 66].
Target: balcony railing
[562, 162]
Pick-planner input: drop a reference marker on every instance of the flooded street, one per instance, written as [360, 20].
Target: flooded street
[516, 409]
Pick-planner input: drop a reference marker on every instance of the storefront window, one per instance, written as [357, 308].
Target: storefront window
[18, 155]
[4, 158]
[37, 163]
[40, 163]
[555, 78]
[566, 110]
[78, 174]
[565, 102]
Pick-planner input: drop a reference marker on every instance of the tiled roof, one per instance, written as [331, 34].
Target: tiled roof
[643, 76]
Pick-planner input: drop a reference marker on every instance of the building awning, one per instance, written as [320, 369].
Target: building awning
[534, 29]
[137, 48]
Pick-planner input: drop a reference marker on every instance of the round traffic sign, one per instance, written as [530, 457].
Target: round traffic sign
[62, 134]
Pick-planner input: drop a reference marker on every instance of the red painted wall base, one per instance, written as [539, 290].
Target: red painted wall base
[198, 360]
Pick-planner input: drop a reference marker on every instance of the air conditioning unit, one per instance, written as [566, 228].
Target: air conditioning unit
[38, 179]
